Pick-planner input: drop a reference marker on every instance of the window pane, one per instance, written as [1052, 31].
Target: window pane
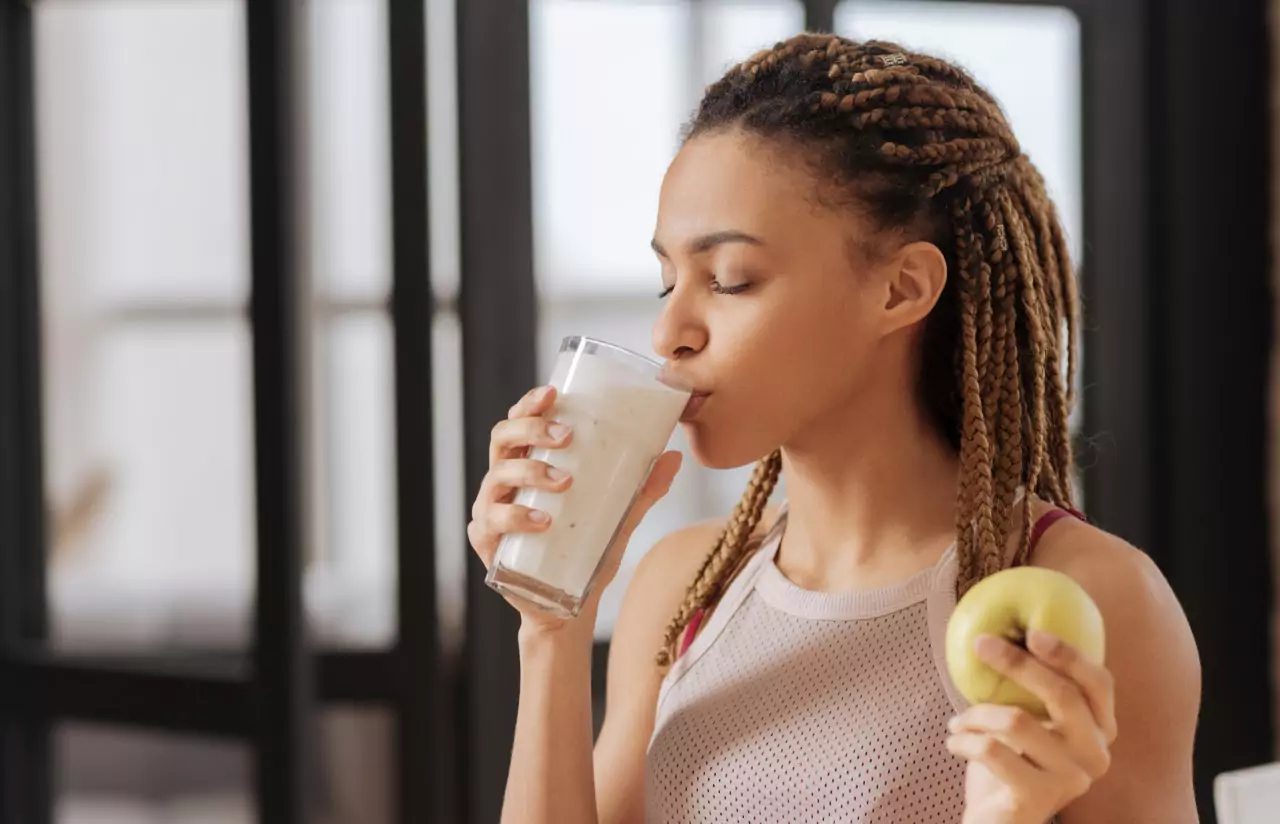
[350, 148]
[442, 154]
[452, 506]
[605, 126]
[354, 578]
[733, 30]
[149, 459]
[141, 121]
[996, 43]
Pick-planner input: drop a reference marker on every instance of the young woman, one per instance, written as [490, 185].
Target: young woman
[867, 284]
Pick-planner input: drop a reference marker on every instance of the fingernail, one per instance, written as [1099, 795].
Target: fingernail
[543, 392]
[558, 432]
[538, 516]
[556, 474]
[1043, 642]
[953, 724]
[988, 647]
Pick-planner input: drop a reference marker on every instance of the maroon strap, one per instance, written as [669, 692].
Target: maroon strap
[690, 631]
[1049, 519]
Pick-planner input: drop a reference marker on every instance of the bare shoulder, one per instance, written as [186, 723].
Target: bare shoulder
[634, 680]
[664, 573]
[659, 585]
[1129, 588]
[1152, 657]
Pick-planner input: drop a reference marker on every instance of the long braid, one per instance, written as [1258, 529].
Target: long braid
[1057, 289]
[975, 529]
[1008, 388]
[925, 148]
[725, 555]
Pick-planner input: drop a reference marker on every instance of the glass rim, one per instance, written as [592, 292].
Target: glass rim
[661, 373]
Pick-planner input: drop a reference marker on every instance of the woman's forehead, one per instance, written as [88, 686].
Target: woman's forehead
[736, 181]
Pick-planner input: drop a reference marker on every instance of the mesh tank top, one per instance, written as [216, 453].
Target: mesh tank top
[802, 706]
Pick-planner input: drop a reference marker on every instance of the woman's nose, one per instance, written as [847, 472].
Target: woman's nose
[678, 332]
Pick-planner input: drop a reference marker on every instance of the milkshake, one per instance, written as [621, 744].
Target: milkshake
[622, 412]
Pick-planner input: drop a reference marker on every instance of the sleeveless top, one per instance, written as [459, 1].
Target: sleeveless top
[801, 706]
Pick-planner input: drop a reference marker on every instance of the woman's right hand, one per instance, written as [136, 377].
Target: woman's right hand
[510, 469]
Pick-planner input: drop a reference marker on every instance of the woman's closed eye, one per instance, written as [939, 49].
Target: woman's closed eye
[716, 287]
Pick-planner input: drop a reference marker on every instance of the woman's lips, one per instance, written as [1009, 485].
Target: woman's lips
[695, 403]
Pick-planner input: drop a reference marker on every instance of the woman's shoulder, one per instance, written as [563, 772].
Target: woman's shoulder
[1098, 560]
[1150, 653]
[663, 576]
[1127, 585]
[666, 571]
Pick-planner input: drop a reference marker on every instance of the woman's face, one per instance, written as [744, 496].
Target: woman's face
[774, 310]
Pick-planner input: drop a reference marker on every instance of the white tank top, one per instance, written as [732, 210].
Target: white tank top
[801, 706]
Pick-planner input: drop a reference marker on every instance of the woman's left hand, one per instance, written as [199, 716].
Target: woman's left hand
[1024, 770]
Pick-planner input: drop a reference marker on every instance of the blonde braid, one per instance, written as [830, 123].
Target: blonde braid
[975, 532]
[725, 555]
[1007, 389]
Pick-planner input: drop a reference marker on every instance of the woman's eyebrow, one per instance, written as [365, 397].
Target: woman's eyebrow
[705, 243]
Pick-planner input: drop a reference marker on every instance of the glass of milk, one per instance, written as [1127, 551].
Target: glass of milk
[622, 409]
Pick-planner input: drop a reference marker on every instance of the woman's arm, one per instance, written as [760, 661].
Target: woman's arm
[1156, 669]
[550, 775]
[555, 776]
[655, 593]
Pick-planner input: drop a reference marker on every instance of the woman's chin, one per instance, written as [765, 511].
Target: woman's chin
[718, 452]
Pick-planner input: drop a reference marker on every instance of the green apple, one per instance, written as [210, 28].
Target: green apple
[1009, 604]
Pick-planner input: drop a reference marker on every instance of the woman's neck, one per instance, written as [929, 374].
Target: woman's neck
[869, 504]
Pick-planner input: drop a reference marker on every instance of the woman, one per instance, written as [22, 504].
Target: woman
[867, 284]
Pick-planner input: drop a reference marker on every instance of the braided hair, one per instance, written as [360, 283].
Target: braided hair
[919, 144]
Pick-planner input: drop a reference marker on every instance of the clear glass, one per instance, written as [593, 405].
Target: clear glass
[622, 409]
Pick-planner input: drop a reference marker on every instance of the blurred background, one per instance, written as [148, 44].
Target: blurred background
[270, 271]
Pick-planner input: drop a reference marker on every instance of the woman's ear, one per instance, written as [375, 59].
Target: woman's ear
[914, 279]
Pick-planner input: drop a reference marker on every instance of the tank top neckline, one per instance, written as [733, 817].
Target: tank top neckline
[780, 592]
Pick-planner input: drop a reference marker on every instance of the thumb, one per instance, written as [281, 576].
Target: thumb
[656, 486]
[664, 472]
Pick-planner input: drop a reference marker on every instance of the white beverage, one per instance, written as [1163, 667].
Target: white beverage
[622, 417]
